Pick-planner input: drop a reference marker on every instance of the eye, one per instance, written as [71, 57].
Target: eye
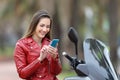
[48, 26]
[42, 25]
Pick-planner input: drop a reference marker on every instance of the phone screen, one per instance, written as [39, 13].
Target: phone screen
[54, 42]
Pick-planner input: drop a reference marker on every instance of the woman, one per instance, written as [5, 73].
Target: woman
[35, 59]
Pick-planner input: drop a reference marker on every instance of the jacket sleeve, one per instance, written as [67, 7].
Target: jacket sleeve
[24, 70]
[55, 66]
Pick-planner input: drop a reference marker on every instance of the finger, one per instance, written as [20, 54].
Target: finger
[52, 49]
[44, 48]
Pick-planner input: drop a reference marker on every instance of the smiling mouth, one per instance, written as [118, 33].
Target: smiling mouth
[43, 34]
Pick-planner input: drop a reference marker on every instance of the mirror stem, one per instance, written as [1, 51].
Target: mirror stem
[76, 47]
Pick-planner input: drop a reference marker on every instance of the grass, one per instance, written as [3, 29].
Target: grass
[65, 74]
[6, 53]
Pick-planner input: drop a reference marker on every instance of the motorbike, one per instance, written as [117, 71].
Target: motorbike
[96, 64]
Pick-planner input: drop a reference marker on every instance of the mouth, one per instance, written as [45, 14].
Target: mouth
[42, 34]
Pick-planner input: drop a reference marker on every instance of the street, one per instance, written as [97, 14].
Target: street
[8, 71]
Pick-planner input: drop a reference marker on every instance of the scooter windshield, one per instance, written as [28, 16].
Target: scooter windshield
[97, 60]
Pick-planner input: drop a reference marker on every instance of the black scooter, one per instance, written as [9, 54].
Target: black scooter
[97, 64]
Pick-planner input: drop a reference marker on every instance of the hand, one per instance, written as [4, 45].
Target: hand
[52, 51]
[43, 53]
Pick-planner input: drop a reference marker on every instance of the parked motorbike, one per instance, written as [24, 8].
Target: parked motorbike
[96, 64]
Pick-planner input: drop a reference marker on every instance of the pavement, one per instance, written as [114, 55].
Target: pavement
[8, 71]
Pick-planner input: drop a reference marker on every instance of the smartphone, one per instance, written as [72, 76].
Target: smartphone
[54, 42]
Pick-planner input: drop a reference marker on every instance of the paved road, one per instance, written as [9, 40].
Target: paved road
[8, 71]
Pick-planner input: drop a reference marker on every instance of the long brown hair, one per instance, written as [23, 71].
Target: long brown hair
[35, 19]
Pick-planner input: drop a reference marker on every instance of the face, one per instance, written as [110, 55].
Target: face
[42, 28]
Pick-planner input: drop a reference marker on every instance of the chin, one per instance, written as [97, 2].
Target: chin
[41, 37]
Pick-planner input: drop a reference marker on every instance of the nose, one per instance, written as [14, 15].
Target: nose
[44, 28]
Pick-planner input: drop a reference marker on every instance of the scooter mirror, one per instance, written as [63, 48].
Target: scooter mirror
[73, 35]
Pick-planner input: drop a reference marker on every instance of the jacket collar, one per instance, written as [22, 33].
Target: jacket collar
[31, 41]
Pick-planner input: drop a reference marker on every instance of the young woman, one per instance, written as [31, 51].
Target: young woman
[35, 59]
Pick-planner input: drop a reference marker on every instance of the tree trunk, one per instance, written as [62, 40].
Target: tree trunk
[56, 29]
[75, 18]
[113, 20]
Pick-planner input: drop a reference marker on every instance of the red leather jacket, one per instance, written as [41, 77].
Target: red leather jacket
[29, 67]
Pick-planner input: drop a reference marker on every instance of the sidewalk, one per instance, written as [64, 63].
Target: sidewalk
[8, 71]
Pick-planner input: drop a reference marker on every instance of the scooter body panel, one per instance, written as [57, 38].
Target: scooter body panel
[77, 78]
[97, 60]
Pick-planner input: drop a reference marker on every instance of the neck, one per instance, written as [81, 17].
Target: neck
[37, 39]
